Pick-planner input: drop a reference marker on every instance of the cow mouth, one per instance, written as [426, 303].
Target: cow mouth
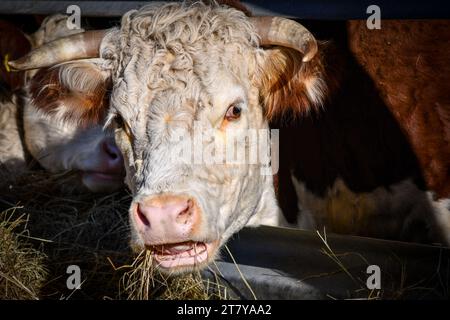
[183, 254]
[98, 181]
[104, 176]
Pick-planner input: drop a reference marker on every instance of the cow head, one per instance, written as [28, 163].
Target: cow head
[179, 70]
[65, 145]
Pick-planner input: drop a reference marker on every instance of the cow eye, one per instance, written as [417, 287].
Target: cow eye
[234, 112]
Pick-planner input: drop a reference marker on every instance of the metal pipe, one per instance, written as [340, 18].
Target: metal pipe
[305, 9]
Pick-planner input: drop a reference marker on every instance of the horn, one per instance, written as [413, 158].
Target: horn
[287, 33]
[77, 46]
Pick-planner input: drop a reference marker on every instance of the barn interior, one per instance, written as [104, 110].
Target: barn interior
[48, 224]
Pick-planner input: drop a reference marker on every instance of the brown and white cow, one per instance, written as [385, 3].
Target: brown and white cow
[57, 146]
[179, 67]
[374, 161]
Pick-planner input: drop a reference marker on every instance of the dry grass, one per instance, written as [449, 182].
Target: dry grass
[142, 281]
[395, 286]
[91, 231]
[80, 228]
[22, 270]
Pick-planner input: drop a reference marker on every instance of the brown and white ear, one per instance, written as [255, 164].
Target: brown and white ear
[292, 75]
[289, 86]
[76, 91]
[69, 87]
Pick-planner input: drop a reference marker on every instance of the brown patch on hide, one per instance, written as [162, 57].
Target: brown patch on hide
[275, 184]
[86, 106]
[409, 63]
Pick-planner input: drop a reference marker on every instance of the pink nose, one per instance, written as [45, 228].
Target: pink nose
[112, 155]
[166, 220]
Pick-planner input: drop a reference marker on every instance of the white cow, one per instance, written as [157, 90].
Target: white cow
[175, 69]
[57, 145]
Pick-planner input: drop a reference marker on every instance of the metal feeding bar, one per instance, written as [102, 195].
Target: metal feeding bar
[282, 263]
[304, 9]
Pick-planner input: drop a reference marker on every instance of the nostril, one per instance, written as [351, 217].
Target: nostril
[142, 216]
[184, 216]
[111, 150]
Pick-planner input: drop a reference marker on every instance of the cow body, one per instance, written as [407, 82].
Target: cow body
[373, 161]
[414, 87]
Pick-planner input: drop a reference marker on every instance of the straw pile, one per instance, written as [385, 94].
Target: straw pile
[68, 226]
[22, 270]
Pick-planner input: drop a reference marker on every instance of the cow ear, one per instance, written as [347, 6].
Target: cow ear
[76, 91]
[289, 86]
